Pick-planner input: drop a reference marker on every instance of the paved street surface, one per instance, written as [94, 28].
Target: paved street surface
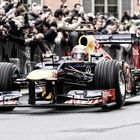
[72, 124]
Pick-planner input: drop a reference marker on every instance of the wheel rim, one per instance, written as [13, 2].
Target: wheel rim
[122, 83]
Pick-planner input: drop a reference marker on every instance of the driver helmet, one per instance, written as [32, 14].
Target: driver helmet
[79, 52]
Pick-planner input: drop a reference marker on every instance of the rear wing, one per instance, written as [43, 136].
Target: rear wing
[116, 38]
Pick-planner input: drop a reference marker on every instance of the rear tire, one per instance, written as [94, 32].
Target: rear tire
[109, 74]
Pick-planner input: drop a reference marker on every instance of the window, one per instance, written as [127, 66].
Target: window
[106, 6]
[112, 7]
[31, 1]
[99, 6]
[99, 1]
[37, 1]
[113, 10]
[99, 9]
[112, 2]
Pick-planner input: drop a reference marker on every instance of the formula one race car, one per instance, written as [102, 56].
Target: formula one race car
[88, 77]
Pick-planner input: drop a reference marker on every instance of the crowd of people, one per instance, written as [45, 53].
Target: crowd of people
[58, 31]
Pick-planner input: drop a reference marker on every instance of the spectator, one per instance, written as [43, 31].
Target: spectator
[11, 8]
[35, 12]
[48, 32]
[98, 26]
[3, 25]
[78, 10]
[39, 27]
[45, 9]
[136, 48]
[17, 20]
[63, 28]
[126, 17]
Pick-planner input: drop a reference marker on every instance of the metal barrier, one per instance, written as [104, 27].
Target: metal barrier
[11, 52]
[17, 53]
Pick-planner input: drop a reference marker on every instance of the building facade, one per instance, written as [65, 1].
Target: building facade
[115, 7]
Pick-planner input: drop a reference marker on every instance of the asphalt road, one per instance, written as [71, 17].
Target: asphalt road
[72, 124]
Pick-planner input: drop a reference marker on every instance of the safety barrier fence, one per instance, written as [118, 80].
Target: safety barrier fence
[17, 53]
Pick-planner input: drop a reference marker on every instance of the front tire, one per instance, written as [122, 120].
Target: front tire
[7, 72]
[109, 74]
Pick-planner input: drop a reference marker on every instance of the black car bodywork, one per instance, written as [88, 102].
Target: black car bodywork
[100, 80]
